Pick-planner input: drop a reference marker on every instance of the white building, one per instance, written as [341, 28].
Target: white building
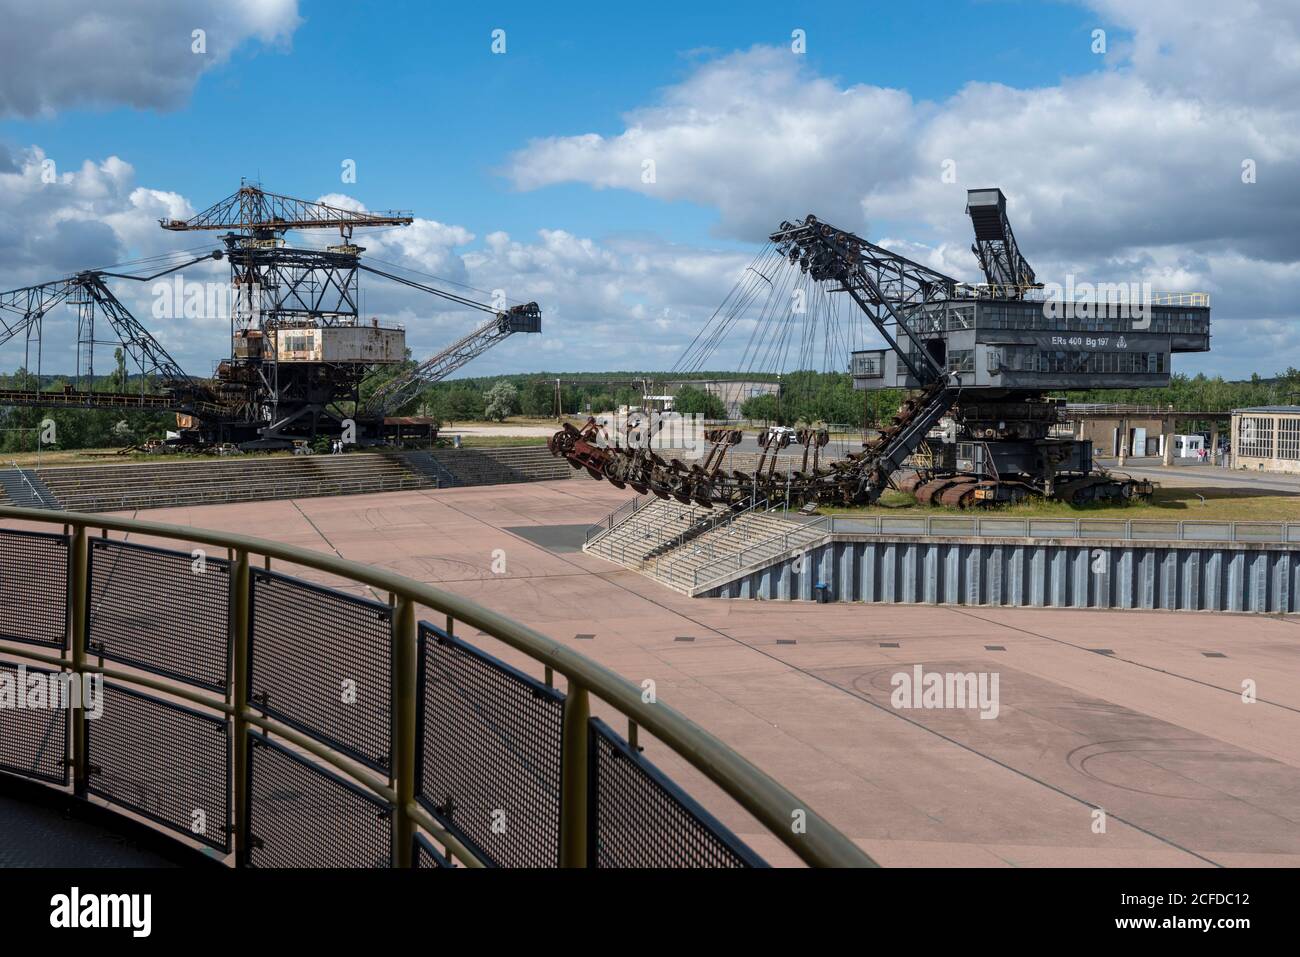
[1267, 438]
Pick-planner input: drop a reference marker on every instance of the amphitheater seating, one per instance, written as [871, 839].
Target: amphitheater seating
[154, 485]
[643, 541]
[749, 538]
[646, 531]
[497, 466]
[22, 488]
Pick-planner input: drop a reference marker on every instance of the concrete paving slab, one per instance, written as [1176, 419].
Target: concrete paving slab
[1156, 733]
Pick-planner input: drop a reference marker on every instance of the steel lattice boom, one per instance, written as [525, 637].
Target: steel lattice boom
[255, 211]
[885, 285]
[394, 394]
[89, 293]
[300, 348]
[888, 288]
[979, 361]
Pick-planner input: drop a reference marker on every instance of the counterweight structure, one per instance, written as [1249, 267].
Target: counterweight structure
[978, 360]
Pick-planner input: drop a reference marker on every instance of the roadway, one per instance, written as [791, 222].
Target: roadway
[1138, 713]
[1211, 476]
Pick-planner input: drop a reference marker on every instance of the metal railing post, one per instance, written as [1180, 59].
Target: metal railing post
[239, 605]
[405, 745]
[573, 777]
[78, 569]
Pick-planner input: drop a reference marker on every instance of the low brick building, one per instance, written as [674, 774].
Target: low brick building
[1266, 438]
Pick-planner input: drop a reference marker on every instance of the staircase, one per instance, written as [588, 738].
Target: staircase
[423, 463]
[640, 533]
[686, 547]
[750, 538]
[98, 488]
[501, 466]
[22, 488]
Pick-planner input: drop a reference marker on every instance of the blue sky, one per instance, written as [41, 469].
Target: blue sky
[523, 168]
[430, 115]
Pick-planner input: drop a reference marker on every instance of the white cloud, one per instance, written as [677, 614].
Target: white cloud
[742, 132]
[1242, 52]
[628, 303]
[59, 54]
[1130, 173]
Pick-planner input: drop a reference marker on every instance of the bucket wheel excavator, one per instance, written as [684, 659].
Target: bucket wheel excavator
[888, 288]
[977, 427]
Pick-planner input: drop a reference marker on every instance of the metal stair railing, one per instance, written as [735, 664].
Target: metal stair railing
[26, 481]
[614, 519]
[768, 548]
[728, 518]
[651, 529]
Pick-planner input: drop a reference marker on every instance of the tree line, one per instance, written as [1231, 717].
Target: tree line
[806, 397]
[23, 428]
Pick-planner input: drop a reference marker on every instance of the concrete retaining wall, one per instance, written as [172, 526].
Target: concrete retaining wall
[1054, 573]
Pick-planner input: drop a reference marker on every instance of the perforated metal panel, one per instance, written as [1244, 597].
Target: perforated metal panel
[321, 662]
[489, 762]
[425, 855]
[34, 588]
[33, 741]
[164, 761]
[160, 610]
[301, 815]
[637, 817]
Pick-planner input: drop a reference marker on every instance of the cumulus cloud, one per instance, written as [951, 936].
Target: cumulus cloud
[1245, 52]
[1135, 172]
[743, 133]
[1130, 173]
[141, 53]
[624, 302]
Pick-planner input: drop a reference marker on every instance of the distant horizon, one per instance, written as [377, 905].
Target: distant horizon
[621, 374]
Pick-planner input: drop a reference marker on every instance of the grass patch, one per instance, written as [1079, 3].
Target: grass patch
[1169, 504]
[497, 441]
[49, 459]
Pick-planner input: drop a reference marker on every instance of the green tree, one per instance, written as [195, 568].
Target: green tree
[760, 408]
[502, 399]
[692, 401]
[117, 382]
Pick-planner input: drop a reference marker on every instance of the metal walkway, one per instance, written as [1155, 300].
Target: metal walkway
[38, 835]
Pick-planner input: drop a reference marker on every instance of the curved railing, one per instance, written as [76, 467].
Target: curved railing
[248, 689]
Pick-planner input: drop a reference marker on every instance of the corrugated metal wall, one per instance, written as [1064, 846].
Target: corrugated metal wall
[1016, 572]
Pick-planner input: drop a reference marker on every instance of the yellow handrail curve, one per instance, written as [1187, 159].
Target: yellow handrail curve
[814, 840]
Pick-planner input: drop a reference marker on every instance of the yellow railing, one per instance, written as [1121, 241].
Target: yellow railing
[789, 819]
[1180, 298]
